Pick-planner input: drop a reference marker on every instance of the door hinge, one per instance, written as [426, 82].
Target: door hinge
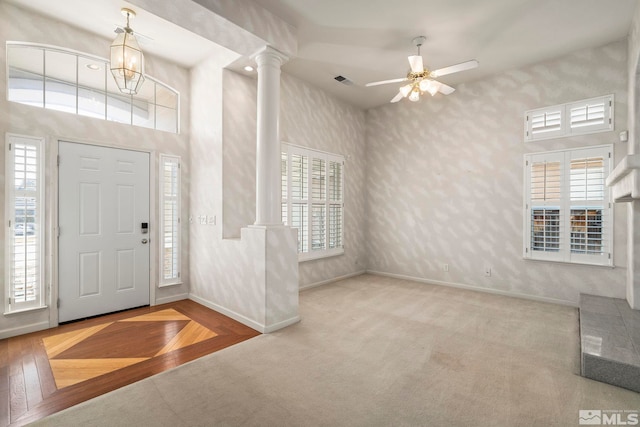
[58, 160]
[9, 299]
[9, 146]
[58, 303]
[609, 255]
[58, 232]
[9, 223]
[178, 275]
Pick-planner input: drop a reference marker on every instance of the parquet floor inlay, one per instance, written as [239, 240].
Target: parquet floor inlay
[47, 371]
[81, 355]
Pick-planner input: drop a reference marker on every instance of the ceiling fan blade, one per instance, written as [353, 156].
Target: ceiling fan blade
[463, 66]
[384, 82]
[445, 89]
[398, 97]
[416, 63]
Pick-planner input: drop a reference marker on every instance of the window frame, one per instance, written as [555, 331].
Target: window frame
[566, 205]
[108, 97]
[11, 306]
[177, 279]
[565, 110]
[287, 200]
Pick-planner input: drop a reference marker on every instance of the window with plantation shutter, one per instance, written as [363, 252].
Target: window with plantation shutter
[312, 200]
[542, 124]
[575, 118]
[169, 220]
[592, 115]
[568, 216]
[25, 213]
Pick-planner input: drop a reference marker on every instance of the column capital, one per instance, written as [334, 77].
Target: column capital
[269, 56]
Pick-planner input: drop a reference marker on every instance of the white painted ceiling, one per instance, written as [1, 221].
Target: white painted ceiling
[369, 40]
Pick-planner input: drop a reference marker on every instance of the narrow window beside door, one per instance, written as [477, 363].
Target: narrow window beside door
[25, 227]
[170, 219]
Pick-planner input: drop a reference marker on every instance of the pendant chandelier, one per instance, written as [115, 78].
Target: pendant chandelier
[127, 61]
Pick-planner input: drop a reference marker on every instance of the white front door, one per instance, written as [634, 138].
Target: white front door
[103, 252]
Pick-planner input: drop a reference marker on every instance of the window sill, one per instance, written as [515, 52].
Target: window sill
[310, 256]
[167, 285]
[25, 310]
[584, 264]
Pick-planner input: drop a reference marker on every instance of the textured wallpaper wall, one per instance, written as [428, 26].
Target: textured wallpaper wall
[225, 272]
[311, 118]
[230, 274]
[239, 153]
[633, 208]
[53, 125]
[445, 179]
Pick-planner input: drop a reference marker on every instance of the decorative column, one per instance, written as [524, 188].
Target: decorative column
[268, 190]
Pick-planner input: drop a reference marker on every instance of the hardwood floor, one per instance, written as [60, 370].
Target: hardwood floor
[44, 372]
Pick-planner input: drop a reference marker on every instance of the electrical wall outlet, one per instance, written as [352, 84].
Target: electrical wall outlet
[487, 272]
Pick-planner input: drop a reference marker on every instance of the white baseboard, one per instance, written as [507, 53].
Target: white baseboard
[21, 330]
[280, 325]
[229, 313]
[172, 298]
[335, 279]
[243, 319]
[476, 288]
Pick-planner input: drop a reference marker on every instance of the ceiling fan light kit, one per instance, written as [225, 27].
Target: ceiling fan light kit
[127, 60]
[422, 79]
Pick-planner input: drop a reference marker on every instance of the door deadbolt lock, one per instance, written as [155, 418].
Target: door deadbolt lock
[144, 241]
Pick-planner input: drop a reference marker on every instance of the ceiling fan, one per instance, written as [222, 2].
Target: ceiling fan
[422, 79]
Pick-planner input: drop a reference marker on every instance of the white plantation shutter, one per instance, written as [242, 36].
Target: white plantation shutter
[319, 206]
[546, 215]
[170, 219]
[567, 212]
[284, 183]
[589, 202]
[590, 115]
[335, 203]
[576, 118]
[545, 123]
[298, 192]
[312, 200]
[25, 212]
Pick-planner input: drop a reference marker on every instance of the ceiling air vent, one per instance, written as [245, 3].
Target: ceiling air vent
[344, 80]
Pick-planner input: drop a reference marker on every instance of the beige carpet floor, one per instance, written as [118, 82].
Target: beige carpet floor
[376, 351]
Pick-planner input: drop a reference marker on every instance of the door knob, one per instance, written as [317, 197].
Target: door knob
[144, 241]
